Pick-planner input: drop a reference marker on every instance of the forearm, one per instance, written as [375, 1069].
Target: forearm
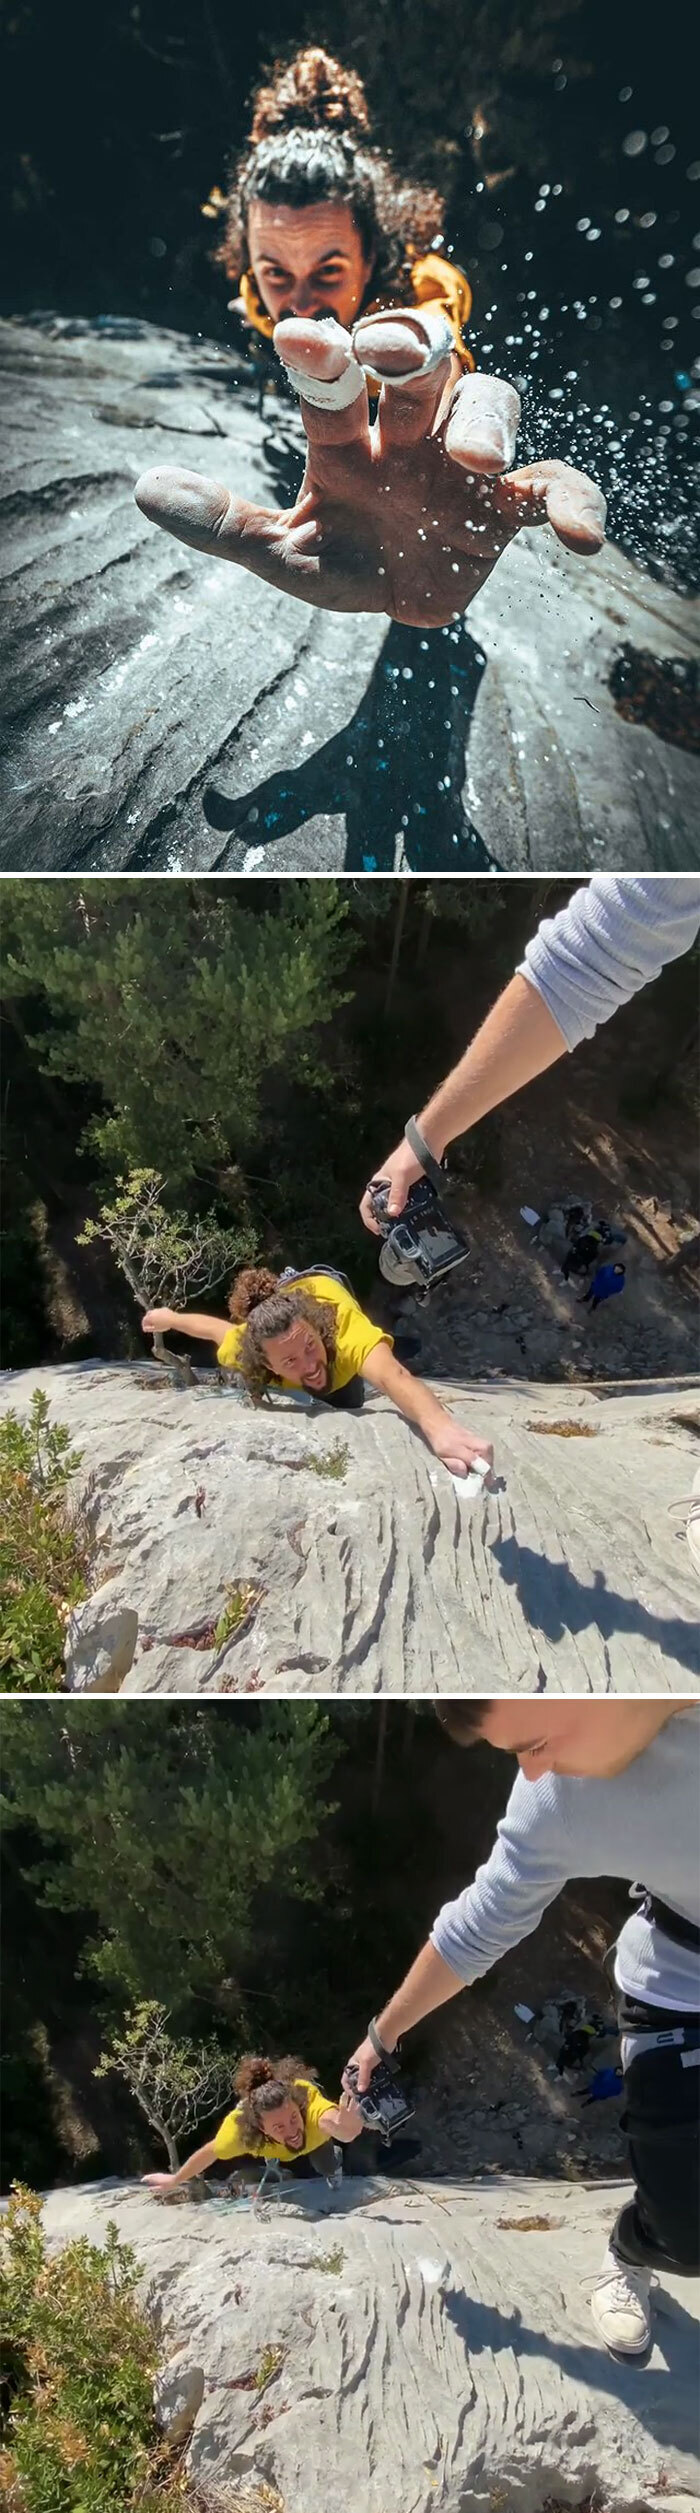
[418, 1404]
[428, 1985]
[518, 1040]
[191, 2170]
[191, 1322]
[411, 1396]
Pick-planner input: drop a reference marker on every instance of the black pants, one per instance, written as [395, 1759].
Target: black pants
[348, 1399]
[323, 2160]
[660, 2227]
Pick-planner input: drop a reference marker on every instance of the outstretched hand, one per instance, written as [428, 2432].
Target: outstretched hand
[407, 514]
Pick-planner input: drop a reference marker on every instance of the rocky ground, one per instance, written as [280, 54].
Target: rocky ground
[425, 2345]
[171, 714]
[293, 1549]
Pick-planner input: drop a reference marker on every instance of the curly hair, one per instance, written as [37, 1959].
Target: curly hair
[310, 140]
[264, 2084]
[271, 1310]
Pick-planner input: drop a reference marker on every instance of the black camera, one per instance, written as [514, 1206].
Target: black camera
[421, 1246]
[383, 2106]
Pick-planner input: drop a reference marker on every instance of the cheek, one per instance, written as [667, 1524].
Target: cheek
[271, 291]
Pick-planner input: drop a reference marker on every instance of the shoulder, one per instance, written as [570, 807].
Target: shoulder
[323, 1287]
[538, 1809]
[229, 1348]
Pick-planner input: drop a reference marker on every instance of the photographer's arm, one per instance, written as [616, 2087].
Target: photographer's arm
[529, 1863]
[613, 937]
[428, 1985]
[518, 1039]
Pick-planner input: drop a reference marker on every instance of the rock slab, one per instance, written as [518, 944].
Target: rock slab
[425, 2348]
[354, 1561]
[168, 713]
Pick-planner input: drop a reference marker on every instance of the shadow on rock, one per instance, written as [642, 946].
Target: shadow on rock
[486, 2330]
[395, 771]
[555, 1602]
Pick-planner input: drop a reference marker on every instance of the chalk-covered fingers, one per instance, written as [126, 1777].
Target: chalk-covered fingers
[483, 422]
[409, 354]
[550, 492]
[321, 365]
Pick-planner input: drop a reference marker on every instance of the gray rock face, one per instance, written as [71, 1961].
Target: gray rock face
[100, 1644]
[304, 1551]
[401, 2348]
[169, 713]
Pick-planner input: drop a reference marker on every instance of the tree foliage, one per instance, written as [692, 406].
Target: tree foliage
[180, 1033]
[168, 1830]
[166, 1257]
[44, 1547]
[77, 2426]
[176, 2083]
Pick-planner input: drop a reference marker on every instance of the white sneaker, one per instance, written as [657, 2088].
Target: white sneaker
[621, 2307]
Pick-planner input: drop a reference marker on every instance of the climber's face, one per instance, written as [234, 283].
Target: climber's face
[307, 261]
[299, 1355]
[588, 1740]
[285, 2126]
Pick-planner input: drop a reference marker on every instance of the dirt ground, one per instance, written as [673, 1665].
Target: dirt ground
[489, 2098]
[507, 1311]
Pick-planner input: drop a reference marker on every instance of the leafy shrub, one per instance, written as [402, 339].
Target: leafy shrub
[176, 2083]
[44, 1548]
[78, 2361]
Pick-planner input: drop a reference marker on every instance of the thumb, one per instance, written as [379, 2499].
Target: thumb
[208, 517]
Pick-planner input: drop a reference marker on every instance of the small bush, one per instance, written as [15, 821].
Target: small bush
[78, 2358]
[330, 1462]
[271, 2362]
[242, 1598]
[44, 1548]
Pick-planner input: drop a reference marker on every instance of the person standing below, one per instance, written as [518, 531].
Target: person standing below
[604, 1789]
[607, 1280]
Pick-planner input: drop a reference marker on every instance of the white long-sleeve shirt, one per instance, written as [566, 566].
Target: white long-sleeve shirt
[643, 1826]
[614, 936]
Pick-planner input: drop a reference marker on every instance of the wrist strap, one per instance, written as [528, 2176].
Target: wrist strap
[378, 2046]
[421, 1152]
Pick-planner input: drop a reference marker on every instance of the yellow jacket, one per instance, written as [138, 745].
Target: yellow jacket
[434, 282]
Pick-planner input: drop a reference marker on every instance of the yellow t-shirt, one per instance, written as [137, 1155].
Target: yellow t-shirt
[434, 282]
[355, 1334]
[230, 2142]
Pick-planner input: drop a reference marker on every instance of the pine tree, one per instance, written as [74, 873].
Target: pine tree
[169, 1830]
[176, 1004]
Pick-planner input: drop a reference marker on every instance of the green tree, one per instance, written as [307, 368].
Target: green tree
[166, 1258]
[177, 1008]
[78, 2432]
[45, 1547]
[170, 1831]
[176, 2083]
